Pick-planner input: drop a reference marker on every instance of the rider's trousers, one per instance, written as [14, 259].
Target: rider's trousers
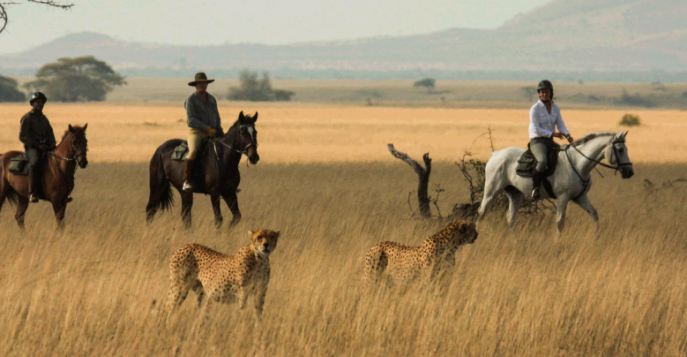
[194, 139]
[540, 150]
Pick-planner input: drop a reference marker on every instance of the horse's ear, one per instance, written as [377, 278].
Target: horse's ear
[625, 134]
[85, 127]
[241, 117]
[71, 130]
[255, 117]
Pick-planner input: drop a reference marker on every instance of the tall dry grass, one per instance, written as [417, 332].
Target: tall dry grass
[87, 291]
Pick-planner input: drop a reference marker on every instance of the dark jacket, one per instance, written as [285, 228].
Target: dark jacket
[36, 130]
[202, 115]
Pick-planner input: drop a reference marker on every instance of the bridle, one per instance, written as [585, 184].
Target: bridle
[598, 162]
[244, 151]
[74, 157]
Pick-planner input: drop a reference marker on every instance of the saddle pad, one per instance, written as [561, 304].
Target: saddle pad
[18, 165]
[180, 152]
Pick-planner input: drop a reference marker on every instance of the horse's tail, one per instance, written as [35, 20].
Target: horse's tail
[161, 197]
[10, 194]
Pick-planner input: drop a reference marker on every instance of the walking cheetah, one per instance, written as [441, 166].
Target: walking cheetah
[223, 278]
[430, 262]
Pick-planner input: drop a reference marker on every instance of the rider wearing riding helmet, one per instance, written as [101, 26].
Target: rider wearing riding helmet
[37, 135]
[545, 116]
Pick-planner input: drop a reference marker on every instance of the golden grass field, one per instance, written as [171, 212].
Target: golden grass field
[327, 182]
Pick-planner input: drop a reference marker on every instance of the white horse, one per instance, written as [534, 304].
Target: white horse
[570, 181]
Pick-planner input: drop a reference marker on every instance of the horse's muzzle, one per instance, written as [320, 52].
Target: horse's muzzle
[627, 171]
[83, 163]
[254, 158]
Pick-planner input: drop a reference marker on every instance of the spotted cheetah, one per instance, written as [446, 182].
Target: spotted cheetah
[431, 261]
[223, 278]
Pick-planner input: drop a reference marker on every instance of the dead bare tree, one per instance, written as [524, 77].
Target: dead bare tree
[4, 18]
[423, 178]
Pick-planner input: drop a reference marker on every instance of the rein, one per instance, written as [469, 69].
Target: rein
[214, 142]
[598, 162]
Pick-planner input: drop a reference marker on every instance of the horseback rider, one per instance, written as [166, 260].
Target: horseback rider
[545, 116]
[203, 121]
[38, 138]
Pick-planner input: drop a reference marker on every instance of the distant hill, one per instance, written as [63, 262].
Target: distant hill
[561, 36]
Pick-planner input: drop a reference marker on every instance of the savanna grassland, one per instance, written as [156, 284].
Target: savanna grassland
[327, 182]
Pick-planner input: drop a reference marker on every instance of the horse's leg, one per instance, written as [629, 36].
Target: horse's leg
[186, 205]
[215, 198]
[584, 202]
[514, 202]
[59, 207]
[22, 206]
[233, 204]
[562, 204]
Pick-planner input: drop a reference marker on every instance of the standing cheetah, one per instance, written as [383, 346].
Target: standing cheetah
[223, 278]
[433, 260]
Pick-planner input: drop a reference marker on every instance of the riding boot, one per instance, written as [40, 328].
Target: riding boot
[536, 182]
[188, 174]
[33, 184]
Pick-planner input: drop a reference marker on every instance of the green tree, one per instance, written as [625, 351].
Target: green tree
[76, 79]
[529, 92]
[253, 89]
[425, 82]
[9, 91]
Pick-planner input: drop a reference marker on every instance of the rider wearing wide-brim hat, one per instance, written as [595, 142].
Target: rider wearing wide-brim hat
[545, 117]
[37, 135]
[203, 121]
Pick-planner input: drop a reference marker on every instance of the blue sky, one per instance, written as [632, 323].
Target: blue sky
[256, 21]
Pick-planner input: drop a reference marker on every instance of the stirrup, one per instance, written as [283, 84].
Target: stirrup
[535, 193]
[187, 186]
[33, 197]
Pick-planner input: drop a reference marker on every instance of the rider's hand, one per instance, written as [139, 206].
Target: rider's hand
[557, 135]
[212, 131]
[570, 138]
[43, 147]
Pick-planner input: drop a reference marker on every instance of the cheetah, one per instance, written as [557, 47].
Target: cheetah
[225, 279]
[430, 262]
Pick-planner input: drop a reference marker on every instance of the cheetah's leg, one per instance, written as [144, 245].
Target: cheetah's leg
[198, 289]
[375, 263]
[177, 294]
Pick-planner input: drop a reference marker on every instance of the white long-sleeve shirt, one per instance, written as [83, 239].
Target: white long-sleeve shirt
[543, 124]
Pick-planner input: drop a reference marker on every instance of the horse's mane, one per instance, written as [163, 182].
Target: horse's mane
[590, 137]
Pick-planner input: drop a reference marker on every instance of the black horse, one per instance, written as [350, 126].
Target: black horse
[216, 171]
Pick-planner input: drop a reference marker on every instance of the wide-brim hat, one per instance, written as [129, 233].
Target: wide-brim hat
[200, 78]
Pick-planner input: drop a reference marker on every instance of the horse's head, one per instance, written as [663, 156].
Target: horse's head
[78, 144]
[616, 154]
[248, 137]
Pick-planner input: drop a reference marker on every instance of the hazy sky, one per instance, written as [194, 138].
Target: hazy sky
[257, 21]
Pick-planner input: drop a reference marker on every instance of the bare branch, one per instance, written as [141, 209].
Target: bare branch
[3, 17]
[423, 176]
[3, 13]
[52, 3]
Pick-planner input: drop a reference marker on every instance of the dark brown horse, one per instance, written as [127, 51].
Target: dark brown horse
[216, 172]
[57, 175]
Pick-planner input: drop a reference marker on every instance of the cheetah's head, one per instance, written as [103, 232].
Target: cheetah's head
[466, 233]
[264, 241]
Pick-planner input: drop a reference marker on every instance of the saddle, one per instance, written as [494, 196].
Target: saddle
[181, 151]
[18, 165]
[527, 162]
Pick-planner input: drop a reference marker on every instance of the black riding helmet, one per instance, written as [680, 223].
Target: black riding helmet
[37, 95]
[545, 84]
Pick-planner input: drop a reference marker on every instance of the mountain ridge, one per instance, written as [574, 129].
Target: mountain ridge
[562, 35]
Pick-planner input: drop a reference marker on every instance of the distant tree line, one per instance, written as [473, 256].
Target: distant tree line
[253, 89]
[9, 91]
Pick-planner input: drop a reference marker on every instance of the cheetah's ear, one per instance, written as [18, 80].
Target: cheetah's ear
[463, 227]
[277, 233]
[251, 232]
